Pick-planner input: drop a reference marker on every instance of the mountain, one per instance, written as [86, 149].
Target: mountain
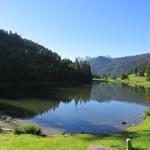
[88, 58]
[116, 66]
[24, 61]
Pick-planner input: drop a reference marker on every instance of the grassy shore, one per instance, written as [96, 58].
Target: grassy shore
[132, 80]
[140, 135]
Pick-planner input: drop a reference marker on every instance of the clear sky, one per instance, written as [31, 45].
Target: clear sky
[81, 27]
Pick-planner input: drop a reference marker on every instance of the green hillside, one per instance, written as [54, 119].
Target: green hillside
[22, 60]
[116, 66]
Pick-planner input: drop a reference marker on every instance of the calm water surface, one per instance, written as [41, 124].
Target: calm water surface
[95, 108]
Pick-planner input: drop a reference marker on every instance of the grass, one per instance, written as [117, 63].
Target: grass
[136, 81]
[28, 129]
[139, 134]
[132, 80]
[147, 112]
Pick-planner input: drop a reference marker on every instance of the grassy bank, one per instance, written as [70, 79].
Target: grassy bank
[139, 134]
[132, 80]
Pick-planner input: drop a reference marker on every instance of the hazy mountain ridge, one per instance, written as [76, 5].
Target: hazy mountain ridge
[88, 58]
[116, 66]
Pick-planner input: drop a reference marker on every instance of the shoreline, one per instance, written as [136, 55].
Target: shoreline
[10, 123]
[138, 134]
[55, 140]
[133, 81]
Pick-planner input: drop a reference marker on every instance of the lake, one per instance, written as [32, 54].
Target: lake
[94, 108]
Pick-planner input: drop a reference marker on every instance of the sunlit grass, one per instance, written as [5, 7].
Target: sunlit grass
[132, 80]
[139, 134]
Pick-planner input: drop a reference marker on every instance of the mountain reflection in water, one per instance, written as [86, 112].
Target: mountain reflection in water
[96, 107]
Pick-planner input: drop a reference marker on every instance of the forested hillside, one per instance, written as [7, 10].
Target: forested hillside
[22, 60]
[142, 70]
[116, 66]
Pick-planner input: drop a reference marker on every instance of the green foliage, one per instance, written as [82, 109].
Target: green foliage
[140, 135]
[22, 60]
[28, 129]
[1, 126]
[124, 76]
[114, 78]
[142, 69]
[147, 112]
[97, 76]
[148, 76]
[141, 73]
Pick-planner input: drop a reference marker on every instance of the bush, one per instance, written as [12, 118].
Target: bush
[147, 112]
[124, 76]
[28, 129]
[141, 73]
[148, 76]
[1, 126]
[114, 78]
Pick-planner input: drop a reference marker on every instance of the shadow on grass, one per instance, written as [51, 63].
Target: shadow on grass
[119, 139]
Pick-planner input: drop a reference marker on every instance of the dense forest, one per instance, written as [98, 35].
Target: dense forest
[22, 60]
[142, 70]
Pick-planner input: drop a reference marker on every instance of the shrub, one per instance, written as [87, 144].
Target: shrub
[114, 78]
[124, 76]
[141, 73]
[147, 112]
[28, 129]
[1, 126]
[148, 76]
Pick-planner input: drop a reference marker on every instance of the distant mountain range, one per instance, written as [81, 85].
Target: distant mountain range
[116, 66]
[88, 58]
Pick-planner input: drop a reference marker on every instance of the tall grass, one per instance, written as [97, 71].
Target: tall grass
[28, 129]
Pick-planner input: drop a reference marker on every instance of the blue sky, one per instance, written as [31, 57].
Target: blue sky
[82, 28]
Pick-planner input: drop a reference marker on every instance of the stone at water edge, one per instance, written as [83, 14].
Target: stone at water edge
[6, 130]
[124, 122]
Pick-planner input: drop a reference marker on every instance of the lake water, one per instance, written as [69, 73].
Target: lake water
[96, 108]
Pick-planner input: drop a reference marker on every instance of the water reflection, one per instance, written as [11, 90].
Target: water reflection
[36, 100]
[97, 107]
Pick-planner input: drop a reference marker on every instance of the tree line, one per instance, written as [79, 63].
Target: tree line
[23, 60]
[141, 70]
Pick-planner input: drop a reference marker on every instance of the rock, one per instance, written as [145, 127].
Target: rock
[133, 124]
[8, 119]
[13, 121]
[3, 117]
[123, 122]
[6, 129]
